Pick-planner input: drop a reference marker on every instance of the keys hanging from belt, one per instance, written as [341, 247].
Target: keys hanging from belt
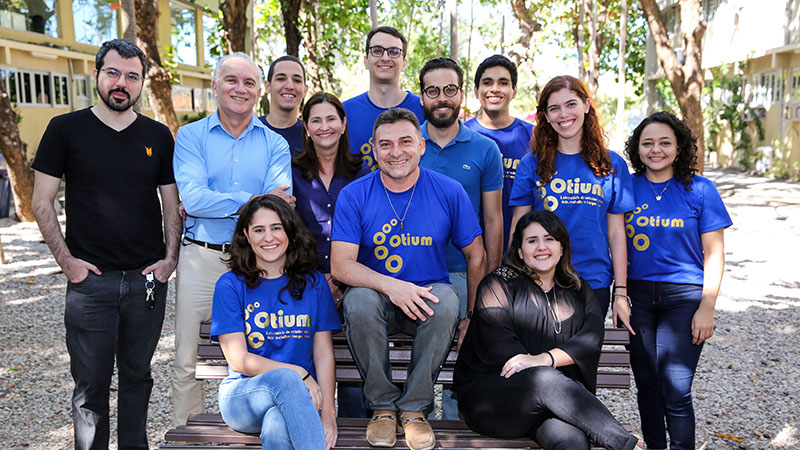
[149, 285]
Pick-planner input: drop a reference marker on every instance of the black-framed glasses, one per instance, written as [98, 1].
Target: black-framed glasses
[114, 74]
[393, 52]
[449, 91]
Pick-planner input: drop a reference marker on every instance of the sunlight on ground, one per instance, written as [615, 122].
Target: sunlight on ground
[786, 438]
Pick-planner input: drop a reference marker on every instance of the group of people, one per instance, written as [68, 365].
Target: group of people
[384, 213]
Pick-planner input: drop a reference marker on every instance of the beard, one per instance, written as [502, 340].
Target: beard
[442, 122]
[116, 105]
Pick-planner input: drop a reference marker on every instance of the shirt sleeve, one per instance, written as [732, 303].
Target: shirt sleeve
[713, 214]
[347, 217]
[193, 180]
[492, 177]
[622, 200]
[227, 313]
[51, 157]
[465, 227]
[280, 165]
[167, 175]
[328, 316]
[524, 190]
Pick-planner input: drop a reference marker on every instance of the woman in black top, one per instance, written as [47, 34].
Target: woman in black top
[528, 365]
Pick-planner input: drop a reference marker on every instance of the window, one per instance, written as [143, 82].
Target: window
[184, 34]
[766, 88]
[84, 92]
[95, 21]
[710, 8]
[794, 95]
[31, 88]
[211, 40]
[37, 16]
[182, 98]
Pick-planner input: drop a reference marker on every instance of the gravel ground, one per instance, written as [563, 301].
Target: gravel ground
[746, 394]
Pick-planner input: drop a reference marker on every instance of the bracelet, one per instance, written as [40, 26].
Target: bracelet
[620, 287]
[552, 359]
[308, 374]
[622, 295]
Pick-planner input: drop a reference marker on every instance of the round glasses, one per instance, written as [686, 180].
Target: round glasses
[449, 91]
[114, 74]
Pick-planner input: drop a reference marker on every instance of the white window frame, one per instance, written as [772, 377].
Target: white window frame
[27, 96]
[794, 93]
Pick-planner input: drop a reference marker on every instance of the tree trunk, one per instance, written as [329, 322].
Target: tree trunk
[453, 29]
[19, 169]
[686, 81]
[290, 10]
[319, 76]
[623, 35]
[527, 25]
[158, 82]
[128, 20]
[234, 20]
[373, 14]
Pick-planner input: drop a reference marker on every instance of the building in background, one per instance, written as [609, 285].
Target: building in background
[47, 50]
[765, 35]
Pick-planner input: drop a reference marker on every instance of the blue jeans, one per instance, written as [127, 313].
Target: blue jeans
[664, 360]
[450, 398]
[371, 317]
[106, 318]
[277, 405]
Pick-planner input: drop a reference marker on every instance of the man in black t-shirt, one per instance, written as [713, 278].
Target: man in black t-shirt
[116, 256]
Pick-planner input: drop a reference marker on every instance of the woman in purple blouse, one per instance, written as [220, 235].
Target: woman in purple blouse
[321, 170]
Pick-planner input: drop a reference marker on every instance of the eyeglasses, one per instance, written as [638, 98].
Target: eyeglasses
[114, 74]
[377, 51]
[449, 91]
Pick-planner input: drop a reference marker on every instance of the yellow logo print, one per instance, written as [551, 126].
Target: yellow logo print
[149, 151]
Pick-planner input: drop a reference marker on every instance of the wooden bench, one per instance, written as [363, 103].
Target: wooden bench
[614, 373]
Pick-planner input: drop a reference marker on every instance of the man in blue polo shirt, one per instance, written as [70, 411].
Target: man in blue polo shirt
[469, 158]
[385, 60]
[286, 85]
[495, 87]
[390, 232]
[220, 163]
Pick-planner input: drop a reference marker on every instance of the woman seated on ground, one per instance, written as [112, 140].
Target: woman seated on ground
[674, 274]
[319, 173]
[528, 364]
[273, 314]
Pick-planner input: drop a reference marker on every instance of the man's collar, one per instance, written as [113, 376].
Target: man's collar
[464, 133]
[214, 121]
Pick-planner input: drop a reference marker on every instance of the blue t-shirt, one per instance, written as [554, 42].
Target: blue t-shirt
[439, 210]
[361, 114]
[292, 134]
[514, 141]
[664, 235]
[582, 201]
[279, 331]
[472, 160]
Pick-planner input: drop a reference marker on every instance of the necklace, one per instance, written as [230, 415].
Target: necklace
[554, 307]
[658, 196]
[401, 219]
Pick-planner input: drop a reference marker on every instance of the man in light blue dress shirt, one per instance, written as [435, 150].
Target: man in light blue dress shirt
[220, 163]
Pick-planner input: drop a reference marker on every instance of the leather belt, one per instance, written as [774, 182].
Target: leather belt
[224, 248]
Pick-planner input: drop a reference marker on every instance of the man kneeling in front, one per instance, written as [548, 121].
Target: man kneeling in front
[390, 232]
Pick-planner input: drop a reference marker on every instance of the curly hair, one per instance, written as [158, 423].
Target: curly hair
[684, 166]
[346, 164]
[301, 255]
[545, 139]
[566, 276]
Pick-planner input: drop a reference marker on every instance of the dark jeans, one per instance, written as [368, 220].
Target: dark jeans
[603, 297]
[105, 316]
[545, 405]
[664, 360]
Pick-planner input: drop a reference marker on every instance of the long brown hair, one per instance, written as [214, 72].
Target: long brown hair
[346, 164]
[545, 139]
[301, 254]
[566, 276]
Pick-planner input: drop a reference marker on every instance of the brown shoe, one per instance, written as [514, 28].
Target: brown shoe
[382, 429]
[419, 434]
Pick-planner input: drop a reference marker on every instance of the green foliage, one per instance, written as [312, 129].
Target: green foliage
[666, 98]
[170, 62]
[214, 42]
[419, 23]
[725, 114]
[189, 118]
